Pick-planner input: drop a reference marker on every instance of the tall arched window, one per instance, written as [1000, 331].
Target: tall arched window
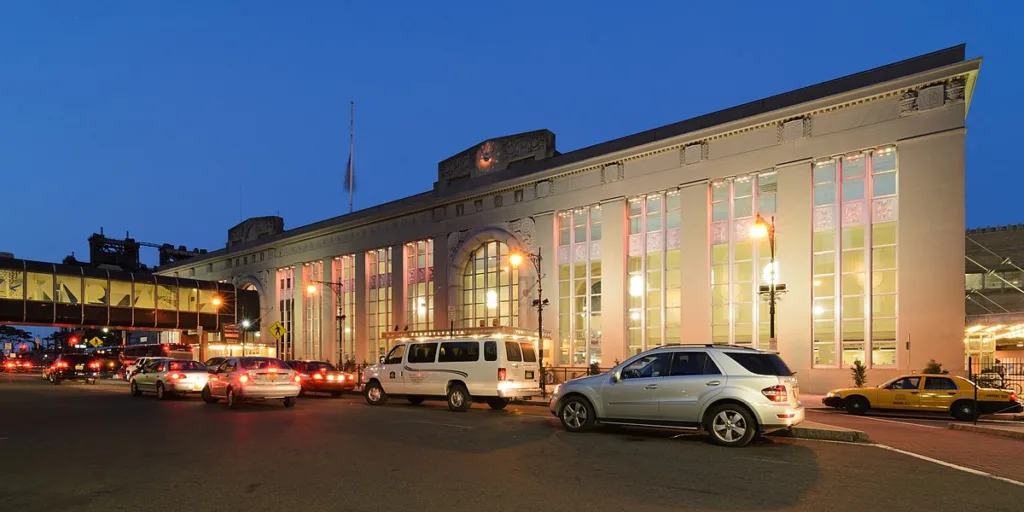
[490, 288]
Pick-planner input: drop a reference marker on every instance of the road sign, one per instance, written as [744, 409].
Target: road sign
[95, 342]
[278, 331]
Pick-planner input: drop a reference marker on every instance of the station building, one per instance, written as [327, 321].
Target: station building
[647, 239]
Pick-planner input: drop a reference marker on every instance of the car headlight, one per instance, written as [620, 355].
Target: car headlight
[832, 394]
[558, 389]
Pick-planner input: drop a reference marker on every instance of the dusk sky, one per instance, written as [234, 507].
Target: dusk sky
[175, 120]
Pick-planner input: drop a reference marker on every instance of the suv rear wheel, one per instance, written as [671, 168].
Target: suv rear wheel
[730, 425]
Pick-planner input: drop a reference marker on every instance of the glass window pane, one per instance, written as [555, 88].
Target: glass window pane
[69, 289]
[720, 211]
[824, 194]
[824, 240]
[853, 352]
[145, 296]
[719, 254]
[824, 263]
[883, 160]
[883, 234]
[883, 306]
[853, 237]
[121, 294]
[743, 187]
[11, 284]
[883, 329]
[95, 291]
[883, 258]
[973, 281]
[853, 307]
[206, 302]
[853, 284]
[853, 190]
[40, 287]
[883, 281]
[824, 287]
[883, 354]
[743, 251]
[595, 231]
[825, 173]
[720, 191]
[883, 184]
[853, 167]
[853, 261]
[766, 204]
[742, 207]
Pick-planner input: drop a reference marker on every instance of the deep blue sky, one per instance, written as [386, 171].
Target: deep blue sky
[173, 120]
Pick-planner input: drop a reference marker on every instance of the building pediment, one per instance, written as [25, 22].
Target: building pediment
[495, 155]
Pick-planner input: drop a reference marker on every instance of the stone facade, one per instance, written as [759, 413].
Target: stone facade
[917, 106]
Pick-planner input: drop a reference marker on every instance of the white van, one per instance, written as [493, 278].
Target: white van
[460, 370]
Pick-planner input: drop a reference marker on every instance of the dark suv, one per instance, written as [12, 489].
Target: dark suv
[323, 377]
[78, 367]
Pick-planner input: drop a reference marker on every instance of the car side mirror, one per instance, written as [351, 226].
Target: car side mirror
[382, 360]
[615, 377]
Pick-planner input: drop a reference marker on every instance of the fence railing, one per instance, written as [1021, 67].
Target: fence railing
[1001, 373]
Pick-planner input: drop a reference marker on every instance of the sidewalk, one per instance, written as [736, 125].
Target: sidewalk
[1009, 430]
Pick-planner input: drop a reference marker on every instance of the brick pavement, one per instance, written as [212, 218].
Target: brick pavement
[999, 456]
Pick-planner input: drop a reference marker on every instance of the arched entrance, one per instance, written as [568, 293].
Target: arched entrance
[483, 286]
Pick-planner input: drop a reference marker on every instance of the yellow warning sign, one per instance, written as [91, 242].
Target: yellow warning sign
[95, 341]
[278, 331]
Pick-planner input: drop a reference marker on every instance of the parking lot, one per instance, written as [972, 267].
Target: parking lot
[81, 448]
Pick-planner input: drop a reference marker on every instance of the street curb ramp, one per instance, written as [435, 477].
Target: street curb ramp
[1012, 434]
[822, 434]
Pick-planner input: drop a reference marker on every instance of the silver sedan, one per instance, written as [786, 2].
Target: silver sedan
[240, 379]
[169, 377]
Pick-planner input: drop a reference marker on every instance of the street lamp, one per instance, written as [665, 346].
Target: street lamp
[771, 291]
[515, 259]
[339, 304]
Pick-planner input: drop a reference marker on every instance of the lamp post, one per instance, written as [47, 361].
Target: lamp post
[339, 305]
[763, 228]
[516, 259]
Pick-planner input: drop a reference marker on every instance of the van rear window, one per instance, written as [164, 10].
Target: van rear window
[513, 352]
[761, 364]
[529, 354]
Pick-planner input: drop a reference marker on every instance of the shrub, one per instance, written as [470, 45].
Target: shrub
[595, 369]
[934, 367]
[859, 372]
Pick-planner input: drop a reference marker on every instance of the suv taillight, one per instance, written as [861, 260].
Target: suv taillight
[776, 393]
[502, 374]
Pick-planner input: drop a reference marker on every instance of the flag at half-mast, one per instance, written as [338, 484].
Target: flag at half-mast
[350, 177]
[350, 172]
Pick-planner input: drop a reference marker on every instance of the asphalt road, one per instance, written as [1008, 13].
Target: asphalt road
[85, 448]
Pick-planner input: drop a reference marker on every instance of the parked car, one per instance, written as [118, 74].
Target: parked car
[323, 377]
[213, 362]
[460, 370]
[927, 392]
[732, 393]
[169, 377]
[240, 379]
[134, 366]
[19, 365]
[76, 367]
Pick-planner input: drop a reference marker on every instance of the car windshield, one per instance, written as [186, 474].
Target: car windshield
[184, 366]
[263, 363]
[761, 364]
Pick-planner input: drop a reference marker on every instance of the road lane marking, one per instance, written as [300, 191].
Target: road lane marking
[772, 461]
[951, 465]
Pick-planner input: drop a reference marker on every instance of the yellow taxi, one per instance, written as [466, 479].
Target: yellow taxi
[937, 393]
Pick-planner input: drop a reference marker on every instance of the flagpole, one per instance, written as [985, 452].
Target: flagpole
[351, 149]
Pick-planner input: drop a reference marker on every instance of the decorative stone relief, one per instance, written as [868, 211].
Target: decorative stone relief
[454, 239]
[613, 172]
[693, 153]
[498, 199]
[595, 250]
[720, 232]
[795, 129]
[908, 102]
[931, 97]
[517, 196]
[460, 209]
[742, 229]
[563, 255]
[636, 244]
[824, 218]
[654, 242]
[883, 209]
[478, 205]
[524, 230]
[579, 253]
[853, 214]
[674, 241]
[438, 213]
[543, 188]
[955, 89]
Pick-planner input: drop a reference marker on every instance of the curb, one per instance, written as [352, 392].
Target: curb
[1012, 434]
[821, 434]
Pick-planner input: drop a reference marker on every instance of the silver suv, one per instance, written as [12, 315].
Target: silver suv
[733, 393]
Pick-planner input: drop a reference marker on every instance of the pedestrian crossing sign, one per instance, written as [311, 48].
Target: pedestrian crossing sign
[278, 331]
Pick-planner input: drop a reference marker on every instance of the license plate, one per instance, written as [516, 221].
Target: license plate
[529, 375]
[79, 366]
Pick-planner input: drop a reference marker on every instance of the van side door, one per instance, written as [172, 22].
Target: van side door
[391, 375]
[422, 376]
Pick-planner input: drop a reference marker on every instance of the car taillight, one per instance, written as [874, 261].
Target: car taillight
[298, 378]
[776, 393]
[318, 376]
[330, 378]
[243, 378]
[1013, 396]
[176, 376]
[502, 374]
[272, 369]
[28, 365]
[351, 377]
